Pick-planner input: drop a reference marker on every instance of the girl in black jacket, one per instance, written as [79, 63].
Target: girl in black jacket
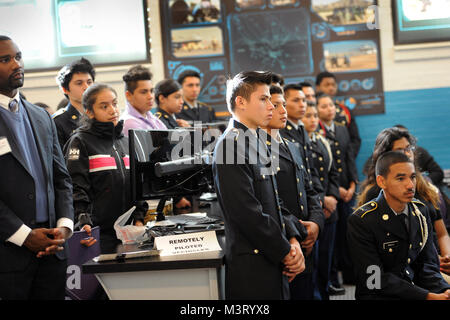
[97, 157]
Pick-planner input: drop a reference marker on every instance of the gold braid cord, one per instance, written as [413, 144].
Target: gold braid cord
[423, 226]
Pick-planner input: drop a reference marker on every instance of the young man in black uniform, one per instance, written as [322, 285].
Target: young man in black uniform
[340, 144]
[296, 192]
[391, 241]
[262, 249]
[194, 110]
[326, 83]
[295, 131]
[73, 79]
[322, 159]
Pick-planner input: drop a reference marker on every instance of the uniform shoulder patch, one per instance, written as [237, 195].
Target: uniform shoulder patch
[365, 208]
[58, 113]
[339, 124]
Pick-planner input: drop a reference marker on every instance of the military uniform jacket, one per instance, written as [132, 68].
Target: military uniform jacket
[257, 233]
[345, 117]
[166, 118]
[294, 183]
[322, 159]
[407, 260]
[301, 139]
[295, 187]
[342, 153]
[66, 121]
[203, 113]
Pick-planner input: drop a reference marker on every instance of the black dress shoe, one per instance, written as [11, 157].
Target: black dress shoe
[335, 291]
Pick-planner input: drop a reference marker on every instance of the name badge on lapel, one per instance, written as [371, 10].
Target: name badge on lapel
[4, 146]
[390, 245]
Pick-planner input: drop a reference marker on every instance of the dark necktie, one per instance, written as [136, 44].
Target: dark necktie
[13, 106]
[404, 219]
[301, 130]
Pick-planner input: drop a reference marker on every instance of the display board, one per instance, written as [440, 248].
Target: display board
[418, 21]
[295, 38]
[52, 33]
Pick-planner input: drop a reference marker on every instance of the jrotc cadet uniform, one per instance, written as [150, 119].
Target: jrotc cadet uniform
[300, 199]
[166, 118]
[393, 255]
[340, 145]
[256, 230]
[322, 159]
[66, 121]
[345, 117]
[339, 140]
[202, 112]
[299, 136]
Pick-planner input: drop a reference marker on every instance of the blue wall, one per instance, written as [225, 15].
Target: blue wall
[425, 112]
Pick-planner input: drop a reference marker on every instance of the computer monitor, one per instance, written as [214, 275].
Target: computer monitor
[168, 163]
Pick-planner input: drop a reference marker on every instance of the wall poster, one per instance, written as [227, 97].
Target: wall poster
[295, 38]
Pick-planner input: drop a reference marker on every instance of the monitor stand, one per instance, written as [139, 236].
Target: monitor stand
[160, 208]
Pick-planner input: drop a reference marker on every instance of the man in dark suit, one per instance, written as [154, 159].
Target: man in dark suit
[262, 249]
[391, 241]
[36, 211]
[73, 79]
[193, 110]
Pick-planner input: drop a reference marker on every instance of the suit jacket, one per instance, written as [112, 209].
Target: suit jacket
[66, 122]
[301, 139]
[203, 113]
[407, 260]
[256, 230]
[17, 192]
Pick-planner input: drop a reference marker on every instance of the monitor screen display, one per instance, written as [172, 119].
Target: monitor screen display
[418, 21]
[52, 33]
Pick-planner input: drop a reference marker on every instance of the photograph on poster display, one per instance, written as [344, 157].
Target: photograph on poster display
[245, 4]
[289, 37]
[278, 3]
[278, 42]
[350, 56]
[196, 42]
[194, 11]
[344, 12]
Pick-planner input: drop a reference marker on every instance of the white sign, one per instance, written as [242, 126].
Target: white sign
[187, 243]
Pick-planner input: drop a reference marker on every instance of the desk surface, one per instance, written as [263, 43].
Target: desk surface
[211, 259]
